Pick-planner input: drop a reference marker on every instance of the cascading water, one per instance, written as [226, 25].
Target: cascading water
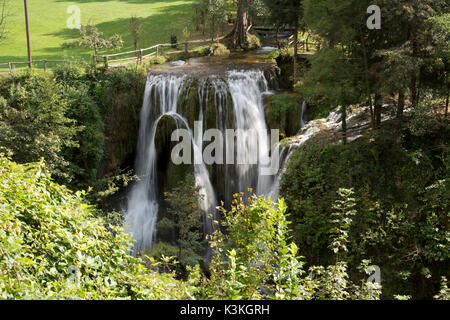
[162, 99]
[246, 89]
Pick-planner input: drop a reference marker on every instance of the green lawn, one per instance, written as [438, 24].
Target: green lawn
[48, 25]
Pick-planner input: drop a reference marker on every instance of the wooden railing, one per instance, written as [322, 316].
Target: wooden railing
[138, 55]
[44, 61]
[303, 44]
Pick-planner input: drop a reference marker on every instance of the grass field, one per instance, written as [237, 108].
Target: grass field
[48, 25]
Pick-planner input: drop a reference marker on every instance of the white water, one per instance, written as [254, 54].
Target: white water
[247, 89]
[162, 95]
[160, 100]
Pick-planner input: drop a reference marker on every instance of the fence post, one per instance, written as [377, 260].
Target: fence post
[157, 51]
[141, 58]
[11, 66]
[45, 65]
[186, 47]
[105, 61]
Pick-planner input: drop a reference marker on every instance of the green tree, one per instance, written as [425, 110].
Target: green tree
[34, 122]
[54, 248]
[290, 13]
[184, 220]
[333, 78]
[215, 16]
[254, 259]
[135, 30]
[92, 38]
[3, 16]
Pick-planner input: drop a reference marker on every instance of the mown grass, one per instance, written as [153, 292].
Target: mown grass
[48, 25]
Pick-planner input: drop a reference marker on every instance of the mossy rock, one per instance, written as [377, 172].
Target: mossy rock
[253, 42]
[219, 50]
[283, 112]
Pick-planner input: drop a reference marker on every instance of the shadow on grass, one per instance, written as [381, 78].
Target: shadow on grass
[156, 28]
[128, 1]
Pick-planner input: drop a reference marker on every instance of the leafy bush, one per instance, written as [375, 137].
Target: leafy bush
[402, 186]
[53, 247]
[254, 260]
[252, 43]
[34, 122]
[180, 233]
[218, 49]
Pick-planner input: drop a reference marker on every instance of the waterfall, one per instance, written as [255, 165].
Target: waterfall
[162, 99]
[247, 89]
[304, 114]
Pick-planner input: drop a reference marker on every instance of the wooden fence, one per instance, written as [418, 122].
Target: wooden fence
[136, 55]
[44, 61]
[303, 44]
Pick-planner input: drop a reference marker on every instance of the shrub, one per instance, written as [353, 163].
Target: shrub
[254, 259]
[34, 122]
[398, 180]
[53, 247]
[218, 49]
[252, 43]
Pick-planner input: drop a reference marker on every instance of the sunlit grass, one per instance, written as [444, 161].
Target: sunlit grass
[48, 25]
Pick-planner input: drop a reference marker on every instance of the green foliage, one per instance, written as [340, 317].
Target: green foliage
[92, 38]
[254, 260]
[253, 42]
[218, 49]
[283, 111]
[180, 232]
[71, 119]
[53, 247]
[402, 190]
[135, 30]
[333, 78]
[214, 11]
[285, 12]
[444, 292]
[342, 220]
[34, 122]
[174, 41]
[253, 251]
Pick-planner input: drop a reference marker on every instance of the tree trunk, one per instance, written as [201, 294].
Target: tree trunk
[295, 53]
[278, 38]
[307, 42]
[367, 78]
[377, 110]
[239, 34]
[446, 105]
[344, 124]
[400, 104]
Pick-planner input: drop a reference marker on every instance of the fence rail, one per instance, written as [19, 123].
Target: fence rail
[138, 55]
[44, 61]
[303, 44]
